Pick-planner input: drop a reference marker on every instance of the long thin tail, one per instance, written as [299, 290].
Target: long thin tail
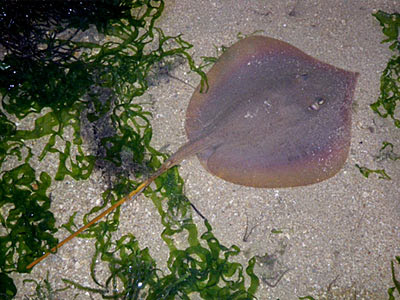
[131, 195]
[186, 150]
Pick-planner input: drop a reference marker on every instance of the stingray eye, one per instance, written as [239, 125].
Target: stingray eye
[316, 105]
[302, 76]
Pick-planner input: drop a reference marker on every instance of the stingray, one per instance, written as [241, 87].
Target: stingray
[272, 117]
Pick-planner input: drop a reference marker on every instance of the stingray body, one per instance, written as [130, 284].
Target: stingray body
[272, 116]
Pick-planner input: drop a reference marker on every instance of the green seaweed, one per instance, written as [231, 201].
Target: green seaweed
[386, 104]
[59, 82]
[387, 152]
[395, 281]
[7, 288]
[390, 79]
[366, 172]
[25, 216]
[34, 78]
[44, 289]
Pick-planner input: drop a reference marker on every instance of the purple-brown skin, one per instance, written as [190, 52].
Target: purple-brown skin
[272, 117]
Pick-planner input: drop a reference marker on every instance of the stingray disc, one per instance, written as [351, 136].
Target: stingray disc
[273, 116]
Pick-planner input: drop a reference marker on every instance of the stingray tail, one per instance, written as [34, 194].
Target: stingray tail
[183, 152]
